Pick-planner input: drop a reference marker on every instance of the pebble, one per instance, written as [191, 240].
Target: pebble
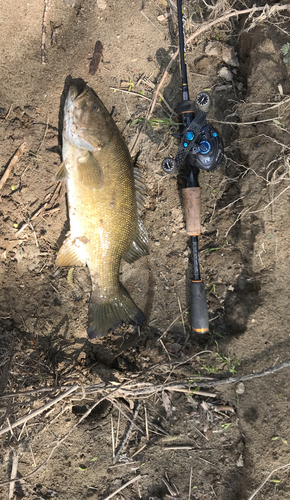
[226, 74]
[240, 389]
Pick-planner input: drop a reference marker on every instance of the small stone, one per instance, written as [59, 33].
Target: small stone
[240, 461]
[226, 74]
[240, 389]
[102, 4]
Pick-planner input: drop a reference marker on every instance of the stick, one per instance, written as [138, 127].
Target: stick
[267, 478]
[124, 486]
[113, 438]
[12, 162]
[40, 410]
[126, 416]
[43, 34]
[126, 437]
[190, 480]
[13, 474]
[271, 202]
[146, 423]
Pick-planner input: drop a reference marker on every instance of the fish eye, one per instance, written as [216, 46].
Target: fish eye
[95, 107]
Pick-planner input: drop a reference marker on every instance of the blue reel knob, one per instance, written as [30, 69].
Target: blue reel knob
[204, 147]
[189, 136]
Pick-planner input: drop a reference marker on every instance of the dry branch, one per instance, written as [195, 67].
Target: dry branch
[267, 479]
[43, 32]
[122, 487]
[12, 163]
[127, 435]
[39, 411]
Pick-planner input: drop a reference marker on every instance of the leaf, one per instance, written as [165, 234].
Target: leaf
[93, 459]
[285, 49]
[274, 438]
[277, 122]
[275, 480]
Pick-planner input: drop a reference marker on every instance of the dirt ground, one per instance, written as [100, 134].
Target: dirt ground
[218, 445]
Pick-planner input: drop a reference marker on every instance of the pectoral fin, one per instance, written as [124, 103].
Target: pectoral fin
[62, 173]
[139, 245]
[90, 172]
[69, 254]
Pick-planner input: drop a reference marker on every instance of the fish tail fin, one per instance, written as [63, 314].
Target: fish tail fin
[108, 315]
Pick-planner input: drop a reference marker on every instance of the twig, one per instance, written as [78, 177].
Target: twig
[271, 202]
[246, 123]
[126, 437]
[13, 474]
[43, 33]
[126, 416]
[182, 319]
[171, 324]
[190, 480]
[35, 237]
[267, 478]
[9, 111]
[118, 427]
[146, 423]
[39, 410]
[140, 449]
[230, 204]
[130, 92]
[171, 491]
[12, 163]
[146, 17]
[182, 447]
[113, 437]
[124, 486]
[241, 214]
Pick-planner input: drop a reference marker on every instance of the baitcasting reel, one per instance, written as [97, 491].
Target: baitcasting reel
[200, 143]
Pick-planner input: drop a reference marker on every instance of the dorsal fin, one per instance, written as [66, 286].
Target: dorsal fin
[140, 187]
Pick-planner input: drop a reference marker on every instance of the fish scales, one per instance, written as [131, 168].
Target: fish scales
[104, 222]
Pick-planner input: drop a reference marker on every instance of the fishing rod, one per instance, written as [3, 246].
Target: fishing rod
[200, 148]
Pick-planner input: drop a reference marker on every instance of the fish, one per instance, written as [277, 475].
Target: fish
[105, 194]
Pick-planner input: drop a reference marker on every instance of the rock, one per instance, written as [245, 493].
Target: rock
[240, 389]
[226, 74]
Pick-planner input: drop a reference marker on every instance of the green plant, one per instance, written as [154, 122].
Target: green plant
[156, 122]
[210, 369]
[285, 49]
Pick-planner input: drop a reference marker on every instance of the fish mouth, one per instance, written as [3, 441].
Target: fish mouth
[75, 98]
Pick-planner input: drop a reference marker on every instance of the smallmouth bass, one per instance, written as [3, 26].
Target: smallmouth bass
[104, 193]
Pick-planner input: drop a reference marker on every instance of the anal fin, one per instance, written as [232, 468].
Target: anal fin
[139, 245]
[69, 254]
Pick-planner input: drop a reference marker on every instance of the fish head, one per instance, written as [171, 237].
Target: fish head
[87, 123]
